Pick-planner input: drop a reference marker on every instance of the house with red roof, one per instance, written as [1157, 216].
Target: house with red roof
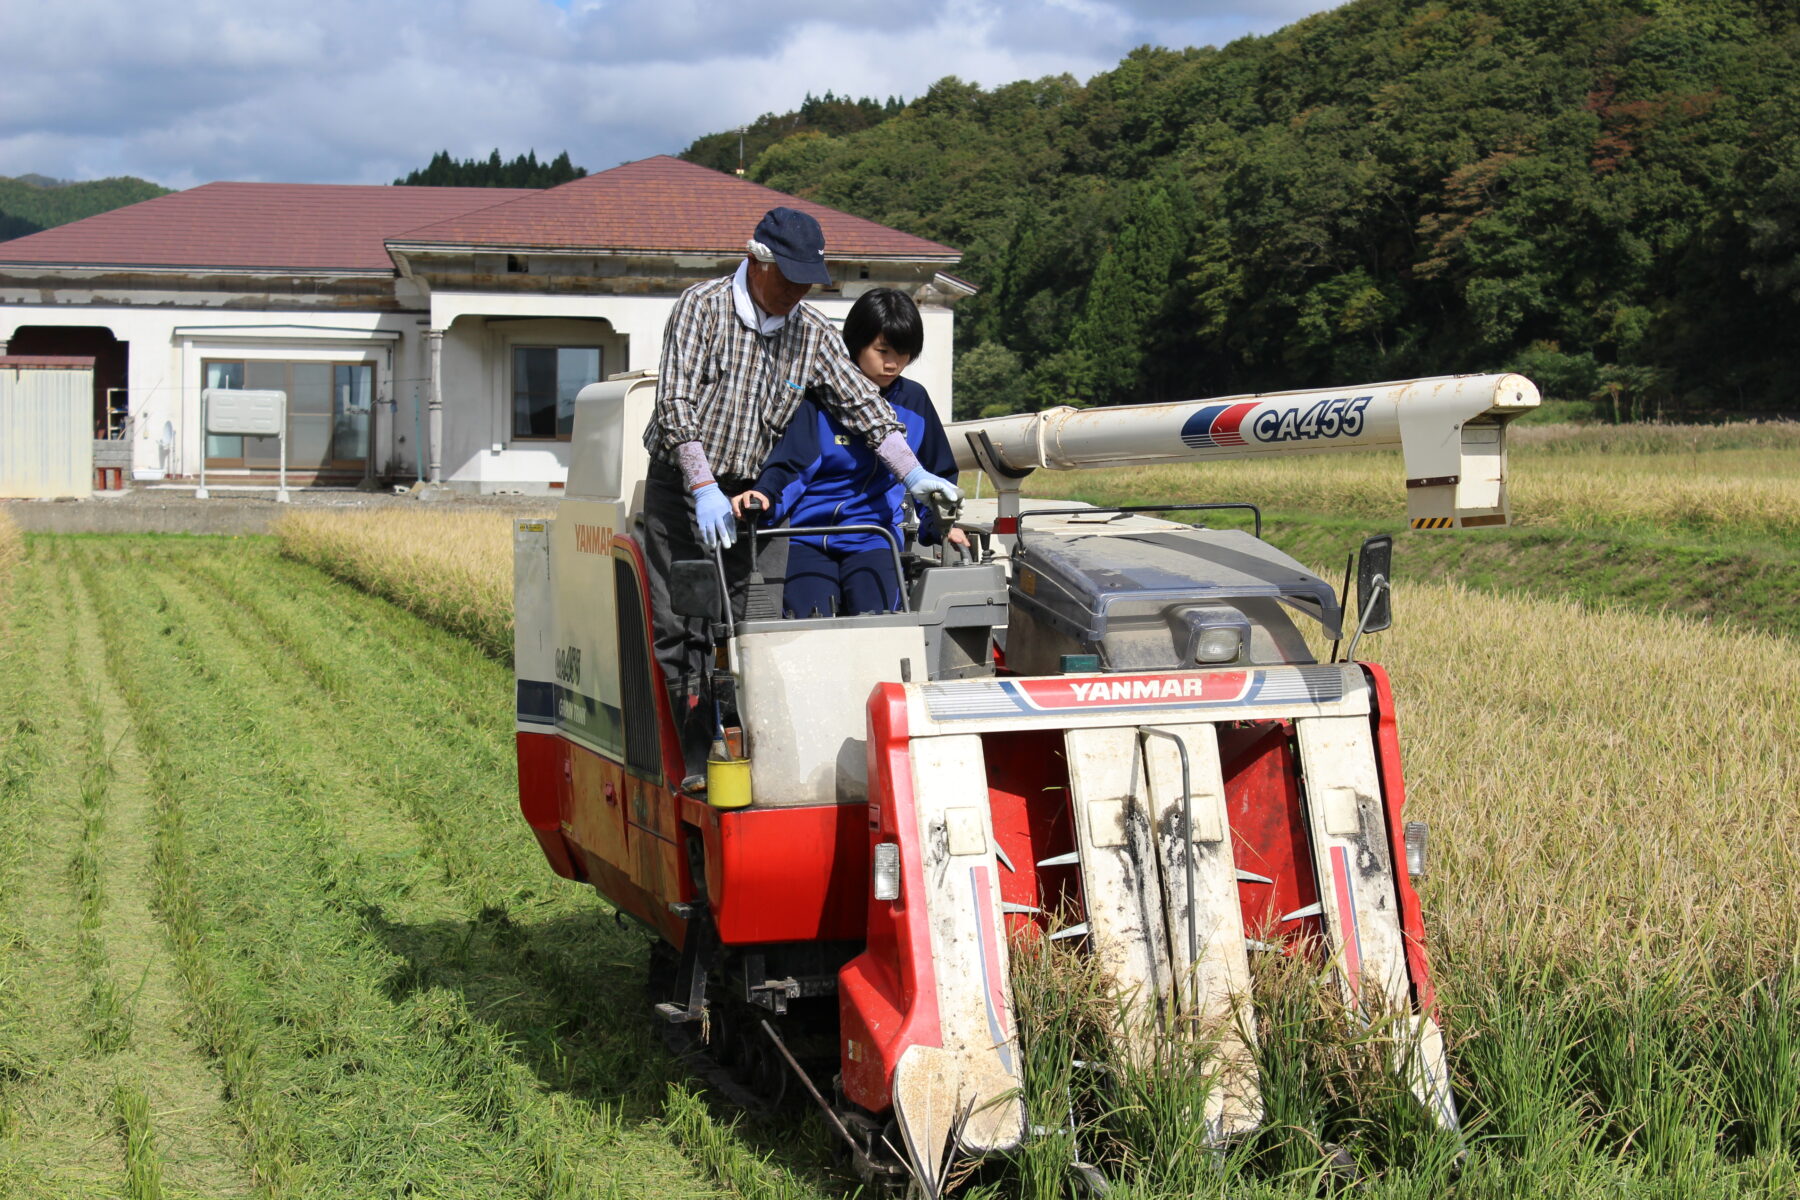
[419, 333]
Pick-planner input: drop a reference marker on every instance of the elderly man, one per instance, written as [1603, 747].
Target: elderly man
[739, 354]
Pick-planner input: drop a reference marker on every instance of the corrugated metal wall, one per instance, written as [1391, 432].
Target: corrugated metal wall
[46, 443]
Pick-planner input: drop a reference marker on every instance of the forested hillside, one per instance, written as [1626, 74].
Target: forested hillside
[33, 202]
[1605, 193]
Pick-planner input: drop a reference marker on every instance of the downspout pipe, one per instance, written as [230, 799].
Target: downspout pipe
[434, 344]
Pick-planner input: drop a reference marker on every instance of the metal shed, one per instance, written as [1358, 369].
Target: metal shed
[46, 438]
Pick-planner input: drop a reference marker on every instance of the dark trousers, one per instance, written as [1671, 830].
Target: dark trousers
[839, 585]
[671, 536]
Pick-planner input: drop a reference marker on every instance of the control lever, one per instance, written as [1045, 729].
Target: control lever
[752, 516]
[945, 512]
[945, 509]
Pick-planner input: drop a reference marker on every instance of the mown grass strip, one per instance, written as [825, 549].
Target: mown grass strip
[162, 1065]
[238, 1037]
[58, 1142]
[109, 1009]
[143, 1165]
[221, 1023]
[454, 799]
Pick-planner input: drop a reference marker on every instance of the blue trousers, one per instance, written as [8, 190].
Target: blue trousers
[837, 584]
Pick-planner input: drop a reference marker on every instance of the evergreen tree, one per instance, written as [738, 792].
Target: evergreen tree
[1125, 297]
[522, 172]
[833, 116]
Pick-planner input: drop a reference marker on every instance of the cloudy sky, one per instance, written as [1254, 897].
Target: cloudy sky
[360, 91]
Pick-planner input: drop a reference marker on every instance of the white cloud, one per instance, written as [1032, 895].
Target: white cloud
[360, 91]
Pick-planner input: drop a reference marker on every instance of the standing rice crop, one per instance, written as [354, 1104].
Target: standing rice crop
[452, 568]
[12, 551]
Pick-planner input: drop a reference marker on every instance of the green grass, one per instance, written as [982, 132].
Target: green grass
[143, 1166]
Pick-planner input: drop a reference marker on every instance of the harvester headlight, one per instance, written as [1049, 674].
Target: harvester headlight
[1209, 633]
[1416, 834]
[1218, 645]
[887, 871]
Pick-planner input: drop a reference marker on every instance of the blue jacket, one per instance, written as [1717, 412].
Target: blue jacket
[821, 474]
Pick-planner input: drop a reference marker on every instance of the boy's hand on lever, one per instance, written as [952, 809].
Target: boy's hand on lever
[749, 506]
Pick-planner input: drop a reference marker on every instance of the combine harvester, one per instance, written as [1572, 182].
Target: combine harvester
[1107, 729]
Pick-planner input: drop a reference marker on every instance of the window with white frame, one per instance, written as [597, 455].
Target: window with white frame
[545, 382]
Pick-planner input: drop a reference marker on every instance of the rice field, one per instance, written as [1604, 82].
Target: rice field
[270, 925]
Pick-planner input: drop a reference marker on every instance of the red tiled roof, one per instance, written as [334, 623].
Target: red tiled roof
[52, 362]
[305, 226]
[661, 204]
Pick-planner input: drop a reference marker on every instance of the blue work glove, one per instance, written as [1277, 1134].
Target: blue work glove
[712, 512]
[923, 485]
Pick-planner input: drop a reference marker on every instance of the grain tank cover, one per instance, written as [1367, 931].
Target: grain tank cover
[1135, 599]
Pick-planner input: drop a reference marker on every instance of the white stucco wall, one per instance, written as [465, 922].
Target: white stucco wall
[481, 329]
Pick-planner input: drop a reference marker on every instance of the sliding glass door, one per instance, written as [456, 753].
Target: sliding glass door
[328, 407]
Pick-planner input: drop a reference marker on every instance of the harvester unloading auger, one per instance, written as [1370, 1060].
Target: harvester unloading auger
[1105, 728]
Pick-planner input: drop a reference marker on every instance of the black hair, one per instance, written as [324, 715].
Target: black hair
[884, 312]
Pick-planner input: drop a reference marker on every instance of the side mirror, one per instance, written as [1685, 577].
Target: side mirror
[1375, 562]
[694, 589]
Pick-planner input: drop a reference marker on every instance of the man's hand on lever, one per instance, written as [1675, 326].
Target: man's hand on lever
[713, 513]
[931, 489]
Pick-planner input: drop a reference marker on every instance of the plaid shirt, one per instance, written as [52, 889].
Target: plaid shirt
[734, 391]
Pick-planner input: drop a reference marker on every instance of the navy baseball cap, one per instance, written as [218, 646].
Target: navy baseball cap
[797, 243]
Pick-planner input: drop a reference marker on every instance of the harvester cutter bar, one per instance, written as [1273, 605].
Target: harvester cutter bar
[1359, 908]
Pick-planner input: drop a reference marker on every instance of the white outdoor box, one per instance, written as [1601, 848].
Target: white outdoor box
[248, 412]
